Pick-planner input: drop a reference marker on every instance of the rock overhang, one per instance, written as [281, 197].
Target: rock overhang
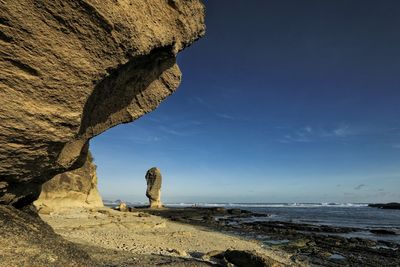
[71, 70]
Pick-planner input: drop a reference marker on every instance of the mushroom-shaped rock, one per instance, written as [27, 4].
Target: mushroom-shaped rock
[153, 192]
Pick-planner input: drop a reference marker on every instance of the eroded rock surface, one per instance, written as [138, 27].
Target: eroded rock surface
[77, 188]
[70, 70]
[153, 192]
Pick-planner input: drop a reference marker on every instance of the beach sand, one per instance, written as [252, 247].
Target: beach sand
[114, 238]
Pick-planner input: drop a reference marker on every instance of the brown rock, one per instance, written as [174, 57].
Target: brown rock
[245, 258]
[73, 69]
[76, 188]
[153, 192]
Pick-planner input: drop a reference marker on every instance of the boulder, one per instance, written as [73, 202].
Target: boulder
[72, 69]
[245, 258]
[76, 188]
[153, 192]
[123, 207]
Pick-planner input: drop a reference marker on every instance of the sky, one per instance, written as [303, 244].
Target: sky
[281, 101]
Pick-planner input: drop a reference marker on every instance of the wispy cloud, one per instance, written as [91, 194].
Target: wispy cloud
[225, 116]
[179, 132]
[396, 146]
[200, 101]
[360, 186]
[342, 131]
[142, 139]
[308, 133]
[294, 139]
[303, 135]
[170, 131]
[308, 129]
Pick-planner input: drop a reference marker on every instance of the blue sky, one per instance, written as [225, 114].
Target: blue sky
[281, 101]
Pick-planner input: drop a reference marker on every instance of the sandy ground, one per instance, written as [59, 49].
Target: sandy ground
[136, 233]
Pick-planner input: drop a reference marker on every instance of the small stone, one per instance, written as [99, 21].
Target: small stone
[179, 252]
[123, 207]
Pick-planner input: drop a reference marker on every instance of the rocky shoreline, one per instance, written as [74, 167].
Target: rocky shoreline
[138, 238]
[316, 244]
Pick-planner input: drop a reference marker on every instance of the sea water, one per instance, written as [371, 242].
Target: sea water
[357, 215]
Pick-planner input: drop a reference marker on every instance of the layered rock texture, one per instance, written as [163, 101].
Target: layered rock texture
[153, 192]
[77, 188]
[70, 70]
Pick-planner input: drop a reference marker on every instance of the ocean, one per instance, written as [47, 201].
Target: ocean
[357, 215]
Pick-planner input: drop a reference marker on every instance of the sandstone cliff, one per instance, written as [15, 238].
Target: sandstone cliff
[70, 70]
[77, 188]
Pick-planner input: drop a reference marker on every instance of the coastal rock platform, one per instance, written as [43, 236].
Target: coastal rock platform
[317, 245]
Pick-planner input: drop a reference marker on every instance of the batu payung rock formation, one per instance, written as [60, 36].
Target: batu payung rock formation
[69, 70]
[153, 192]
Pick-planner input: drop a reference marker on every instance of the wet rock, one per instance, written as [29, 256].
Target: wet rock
[392, 205]
[153, 192]
[249, 259]
[235, 211]
[337, 257]
[382, 232]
